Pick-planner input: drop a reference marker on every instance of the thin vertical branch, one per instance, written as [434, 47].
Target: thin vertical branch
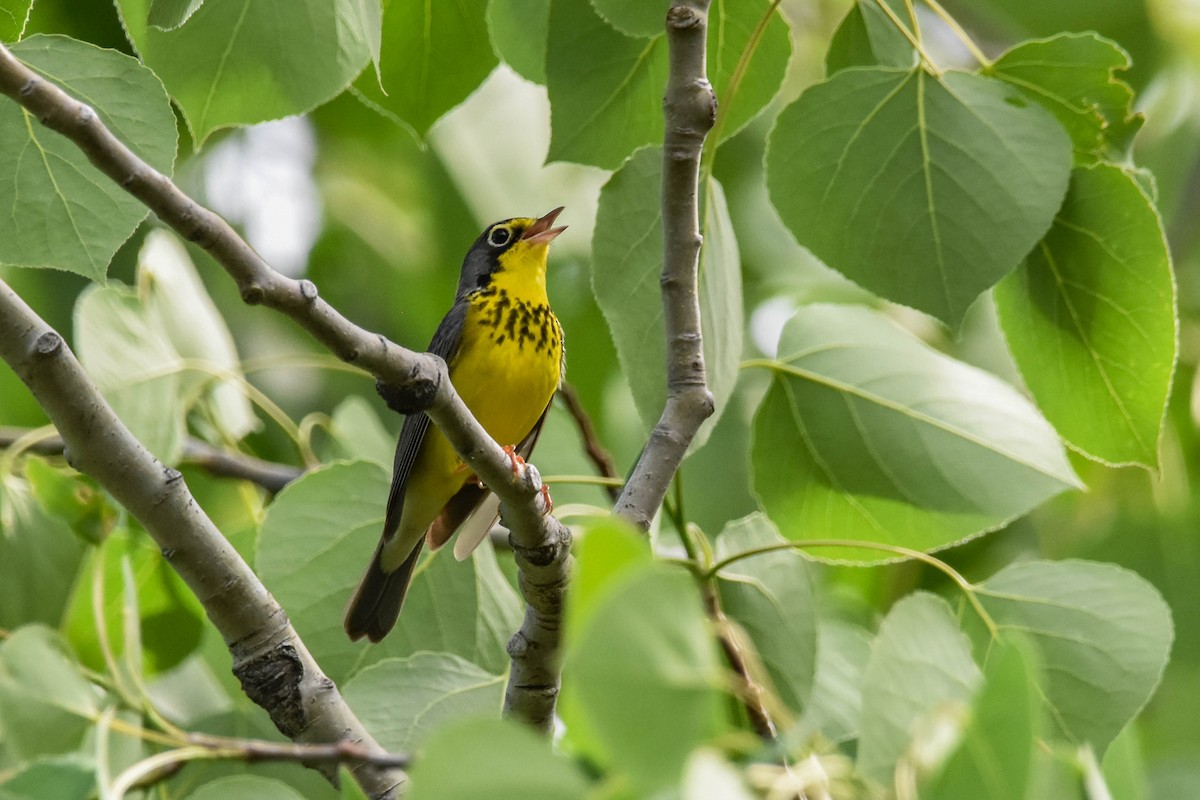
[689, 109]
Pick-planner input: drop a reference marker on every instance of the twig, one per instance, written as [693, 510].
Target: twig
[591, 442]
[273, 665]
[269, 475]
[750, 692]
[237, 598]
[689, 108]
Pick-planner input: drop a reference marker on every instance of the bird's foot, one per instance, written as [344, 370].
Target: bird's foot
[517, 461]
[547, 501]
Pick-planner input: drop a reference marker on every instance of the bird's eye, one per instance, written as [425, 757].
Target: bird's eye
[499, 237]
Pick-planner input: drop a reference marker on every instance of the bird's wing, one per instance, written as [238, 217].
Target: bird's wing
[484, 515]
[445, 344]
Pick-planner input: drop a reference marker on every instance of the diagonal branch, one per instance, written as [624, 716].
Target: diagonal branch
[689, 109]
[420, 377]
[273, 665]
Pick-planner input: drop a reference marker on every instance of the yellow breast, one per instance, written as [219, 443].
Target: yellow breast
[509, 361]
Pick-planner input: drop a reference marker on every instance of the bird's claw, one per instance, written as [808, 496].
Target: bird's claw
[515, 459]
[547, 501]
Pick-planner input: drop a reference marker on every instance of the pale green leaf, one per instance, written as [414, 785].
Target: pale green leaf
[626, 270]
[62, 212]
[518, 29]
[434, 55]
[1073, 75]
[315, 543]
[1090, 319]
[238, 62]
[134, 366]
[919, 679]
[69, 777]
[45, 702]
[39, 559]
[834, 706]
[868, 434]
[244, 787]
[771, 597]
[179, 305]
[506, 762]
[925, 190]
[403, 700]
[1104, 635]
[647, 643]
[994, 759]
[359, 433]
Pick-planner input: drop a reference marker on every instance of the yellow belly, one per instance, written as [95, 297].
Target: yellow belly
[507, 381]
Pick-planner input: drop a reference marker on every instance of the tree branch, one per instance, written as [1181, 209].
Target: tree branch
[422, 377]
[269, 475]
[689, 108]
[273, 665]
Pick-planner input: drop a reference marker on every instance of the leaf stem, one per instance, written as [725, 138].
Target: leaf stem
[913, 38]
[969, 589]
[967, 41]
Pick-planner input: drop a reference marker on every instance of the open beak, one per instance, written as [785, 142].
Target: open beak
[540, 232]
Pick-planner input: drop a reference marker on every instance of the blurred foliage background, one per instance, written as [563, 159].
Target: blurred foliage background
[380, 220]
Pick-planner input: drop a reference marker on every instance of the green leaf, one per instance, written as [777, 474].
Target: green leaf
[178, 304]
[994, 759]
[360, 433]
[834, 706]
[1104, 634]
[518, 29]
[1125, 769]
[62, 212]
[771, 597]
[318, 537]
[434, 55]
[634, 17]
[73, 498]
[507, 762]
[45, 702]
[170, 14]
[866, 37]
[647, 643]
[13, 16]
[135, 367]
[1090, 319]
[608, 549]
[627, 265]
[70, 777]
[925, 190]
[1073, 76]
[39, 559]
[868, 434]
[172, 621]
[606, 88]
[238, 62]
[403, 700]
[350, 790]
[244, 787]
[917, 681]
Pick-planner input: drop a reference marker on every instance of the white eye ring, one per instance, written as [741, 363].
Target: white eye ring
[499, 237]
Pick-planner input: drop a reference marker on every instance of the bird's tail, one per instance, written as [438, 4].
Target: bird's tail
[375, 606]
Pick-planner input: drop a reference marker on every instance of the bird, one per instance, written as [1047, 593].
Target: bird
[503, 347]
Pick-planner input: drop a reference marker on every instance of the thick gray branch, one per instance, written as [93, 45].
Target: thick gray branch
[689, 109]
[275, 668]
[422, 377]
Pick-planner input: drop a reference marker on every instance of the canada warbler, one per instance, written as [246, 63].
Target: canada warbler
[504, 349]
